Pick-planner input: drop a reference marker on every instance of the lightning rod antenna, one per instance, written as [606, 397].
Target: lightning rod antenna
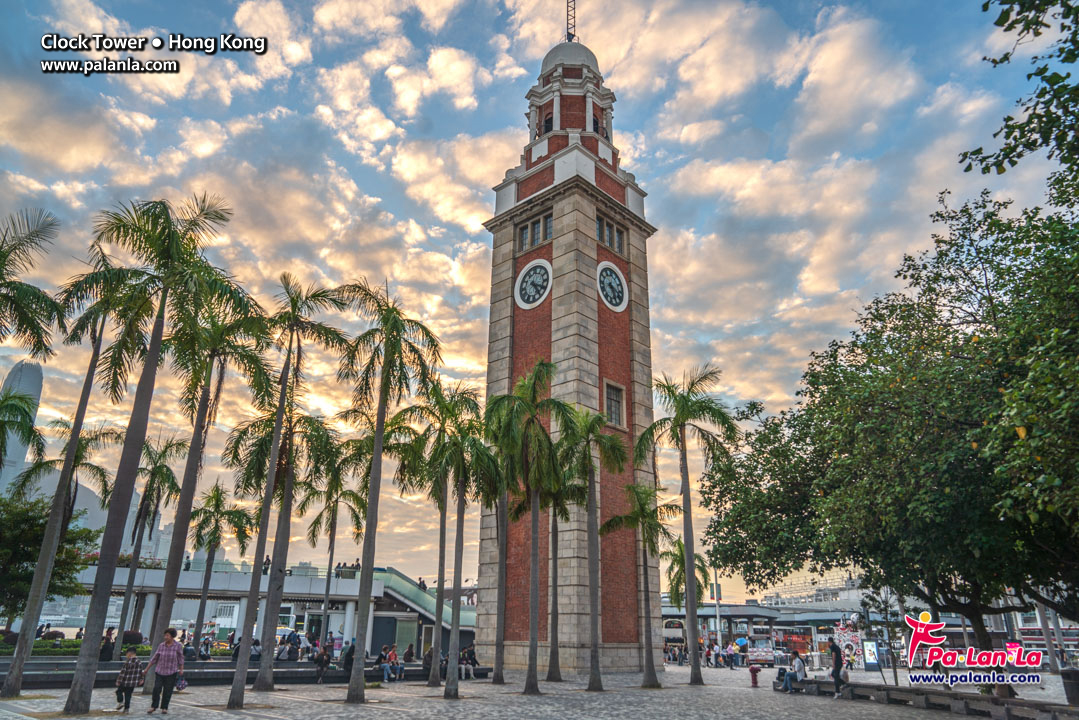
[571, 20]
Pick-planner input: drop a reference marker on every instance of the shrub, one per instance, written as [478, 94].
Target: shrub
[131, 637]
[8, 637]
[53, 635]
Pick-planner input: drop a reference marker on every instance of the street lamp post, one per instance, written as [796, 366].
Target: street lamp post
[715, 593]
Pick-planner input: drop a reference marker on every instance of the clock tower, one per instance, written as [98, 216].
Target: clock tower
[569, 283]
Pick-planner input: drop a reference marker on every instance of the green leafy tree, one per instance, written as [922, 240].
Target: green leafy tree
[518, 423]
[159, 488]
[1048, 118]
[17, 415]
[648, 517]
[22, 527]
[692, 413]
[382, 362]
[213, 520]
[167, 241]
[27, 313]
[585, 439]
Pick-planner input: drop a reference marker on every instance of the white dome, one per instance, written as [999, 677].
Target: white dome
[569, 53]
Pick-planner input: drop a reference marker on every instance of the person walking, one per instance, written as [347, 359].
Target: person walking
[168, 664]
[837, 664]
[127, 680]
[322, 663]
[80, 634]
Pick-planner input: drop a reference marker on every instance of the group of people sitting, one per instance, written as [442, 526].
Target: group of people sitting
[466, 663]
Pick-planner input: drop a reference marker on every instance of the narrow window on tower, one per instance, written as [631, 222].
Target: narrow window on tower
[535, 233]
[599, 229]
[619, 240]
[548, 227]
[613, 405]
[548, 123]
[610, 235]
[522, 243]
[595, 123]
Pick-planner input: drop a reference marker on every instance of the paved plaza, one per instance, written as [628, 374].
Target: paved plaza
[727, 695]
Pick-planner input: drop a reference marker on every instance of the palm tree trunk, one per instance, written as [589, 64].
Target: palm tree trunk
[695, 677]
[129, 591]
[367, 560]
[435, 677]
[554, 672]
[82, 684]
[54, 531]
[595, 679]
[210, 552]
[329, 574]
[275, 588]
[453, 662]
[181, 523]
[243, 659]
[531, 678]
[650, 679]
[502, 521]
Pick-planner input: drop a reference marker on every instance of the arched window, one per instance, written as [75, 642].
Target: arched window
[548, 123]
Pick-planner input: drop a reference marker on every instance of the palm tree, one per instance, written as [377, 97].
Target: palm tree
[27, 313]
[557, 497]
[582, 442]
[213, 519]
[465, 458]
[675, 560]
[690, 409]
[17, 415]
[332, 495]
[382, 362]
[159, 488]
[647, 515]
[90, 442]
[441, 410]
[207, 338]
[168, 240]
[116, 295]
[292, 324]
[518, 423]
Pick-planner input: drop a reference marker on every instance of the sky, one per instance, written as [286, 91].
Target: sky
[792, 152]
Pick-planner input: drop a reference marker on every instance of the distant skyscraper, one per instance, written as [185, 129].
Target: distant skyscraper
[24, 378]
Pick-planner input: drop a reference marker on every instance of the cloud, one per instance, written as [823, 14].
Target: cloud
[452, 177]
[286, 46]
[853, 82]
[52, 129]
[370, 17]
[449, 70]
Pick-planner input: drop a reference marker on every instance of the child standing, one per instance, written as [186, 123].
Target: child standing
[128, 679]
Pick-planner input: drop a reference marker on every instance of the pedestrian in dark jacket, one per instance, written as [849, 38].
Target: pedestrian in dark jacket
[322, 663]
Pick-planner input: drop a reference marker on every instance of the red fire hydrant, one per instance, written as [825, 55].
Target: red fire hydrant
[753, 671]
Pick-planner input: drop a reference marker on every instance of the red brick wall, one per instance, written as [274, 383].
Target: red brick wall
[572, 72]
[531, 341]
[554, 144]
[571, 113]
[609, 185]
[619, 558]
[536, 182]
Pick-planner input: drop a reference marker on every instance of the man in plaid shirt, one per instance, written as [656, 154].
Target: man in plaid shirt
[129, 678]
[169, 659]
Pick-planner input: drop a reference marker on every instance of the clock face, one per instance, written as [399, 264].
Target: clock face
[612, 286]
[533, 284]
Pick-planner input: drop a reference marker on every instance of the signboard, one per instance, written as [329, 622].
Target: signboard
[870, 655]
[1013, 649]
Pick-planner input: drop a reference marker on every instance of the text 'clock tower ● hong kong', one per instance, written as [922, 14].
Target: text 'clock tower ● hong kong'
[569, 283]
